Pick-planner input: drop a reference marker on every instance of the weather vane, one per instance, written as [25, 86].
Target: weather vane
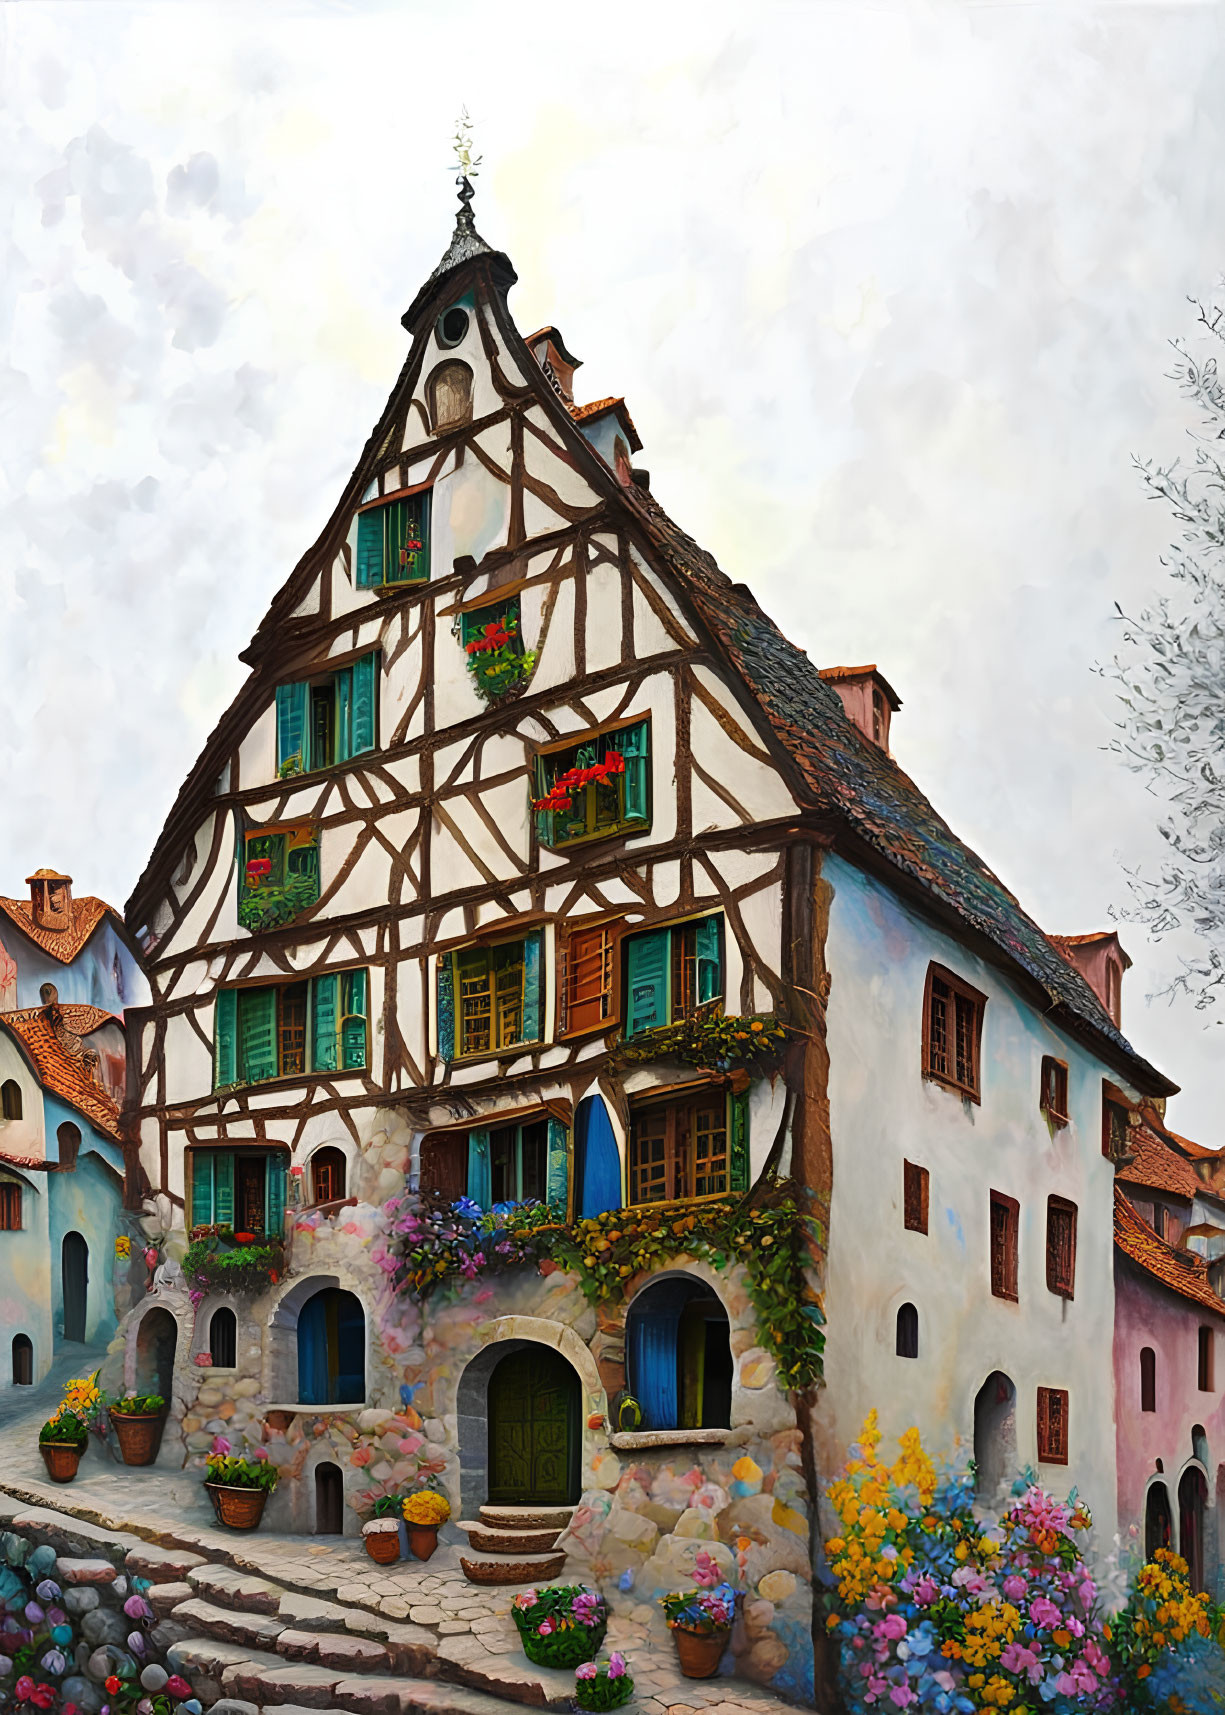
[468, 163]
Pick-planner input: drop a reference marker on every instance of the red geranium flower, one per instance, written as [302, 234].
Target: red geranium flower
[23, 1688]
[112, 1683]
[43, 1696]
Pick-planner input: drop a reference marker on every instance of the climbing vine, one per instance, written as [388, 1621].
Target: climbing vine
[711, 1040]
[434, 1242]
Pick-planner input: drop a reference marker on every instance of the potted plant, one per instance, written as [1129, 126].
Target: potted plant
[603, 1685]
[238, 1487]
[61, 1441]
[424, 1511]
[382, 1539]
[701, 1620]
[561, 1625]
[137, 1420]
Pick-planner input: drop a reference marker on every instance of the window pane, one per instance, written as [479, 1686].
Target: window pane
[293, 1029]
[475, 1001]
[649, 1157]
[938, 1029]
[503, 1161]
[534, 1155]
[508, 994]
[709, 1145]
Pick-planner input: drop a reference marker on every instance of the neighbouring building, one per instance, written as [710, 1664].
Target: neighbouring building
[67, 970]
[1169, 1347]
[525, 822]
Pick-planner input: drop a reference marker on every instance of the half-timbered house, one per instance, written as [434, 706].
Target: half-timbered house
[523, 802]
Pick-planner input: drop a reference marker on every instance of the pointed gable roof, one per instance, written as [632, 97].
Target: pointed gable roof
[61, 944]
[60, 1073]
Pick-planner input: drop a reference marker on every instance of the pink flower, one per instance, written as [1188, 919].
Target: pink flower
[204, 1360]
[220, 1446]
[544, 1628]
[1016, 1658]
[260, 1453]
[705, 1572]
[925, 1591]
[360, 1456]
[1043, 1612]
[1014, 1587]
[585, 1670]
[901, 1696]
[893, 1626]
[616, 1665]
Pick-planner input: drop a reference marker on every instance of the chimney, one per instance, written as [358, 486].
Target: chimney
[1101, 961]
[868, 698]
[547, 347]
[50, 899]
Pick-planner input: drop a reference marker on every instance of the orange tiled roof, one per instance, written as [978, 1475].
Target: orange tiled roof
[62, 944]
[1181, 1271]
[597, 408]
[1159, 1167]
[59, 1072]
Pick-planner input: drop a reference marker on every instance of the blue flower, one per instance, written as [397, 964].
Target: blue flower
[465, 1206]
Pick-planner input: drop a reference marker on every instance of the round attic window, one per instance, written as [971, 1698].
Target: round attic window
[452, 326]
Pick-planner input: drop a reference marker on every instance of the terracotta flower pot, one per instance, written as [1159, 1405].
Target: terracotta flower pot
[699, 1653]
[61, 1459]
[423, 1540]
[240, 1509]
[139, 1436]
[383, 1546]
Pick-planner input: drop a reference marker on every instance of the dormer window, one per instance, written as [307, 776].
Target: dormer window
[50, 899]
[329, 720]
[393, 541]
[867, 697]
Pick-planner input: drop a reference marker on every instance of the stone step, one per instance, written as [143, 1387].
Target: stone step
[218, 1670]
[228, 1587]
[162, 1565]
[229, 1625]
[486, 1540]
[522, 1569]
[526, 1518]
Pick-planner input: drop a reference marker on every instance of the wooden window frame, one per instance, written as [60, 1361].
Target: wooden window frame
[246, 1150]
[490, 948]
[1010, 1271]
[1063, 1288]
[1148, 1378]
[916, 1189]
[383, 502]
[673, 927]
[292, 837]
[329, 677]
[517, 1128]
[611, 930]
[624, 825]
[328, 1166]
[309, 1072]
[11, 1202]
[1053, 1437]
[959, 989]
[686, 1103]
[1205, 1366]
[1114, 1103]
[1053, 1090]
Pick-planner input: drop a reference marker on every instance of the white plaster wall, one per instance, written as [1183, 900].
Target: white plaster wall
[883, 1112]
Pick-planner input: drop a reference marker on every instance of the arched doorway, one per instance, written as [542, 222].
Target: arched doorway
[23, 1360]
[995, 1435]
[534, 1409]
[223, 1338]
[329, 1500]
[680, 1356]
[331, 1349]
[1158, 1526]
[156, 1341]
[74, 1275]
[1192, 1506]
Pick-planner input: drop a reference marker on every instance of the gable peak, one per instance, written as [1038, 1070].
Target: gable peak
[466, 247]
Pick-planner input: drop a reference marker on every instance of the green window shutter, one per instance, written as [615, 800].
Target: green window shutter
[544, 818]
[533, 983]
[201, 1189]
[370, 531]
[646, 1005]
[257, 1046]
[480, 1175]
[557, 1181]
[223, 1188]
[419, 509]
[634, 744]
[738, 1154]
[274, 1196]
[225, 1038]
[708, 946]
[353, 1027]
[292, 719]
[446, 1006]
[324, 1024]
[342, 732]
[363, 723]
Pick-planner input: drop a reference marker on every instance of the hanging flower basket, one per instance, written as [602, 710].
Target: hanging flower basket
[497, 660]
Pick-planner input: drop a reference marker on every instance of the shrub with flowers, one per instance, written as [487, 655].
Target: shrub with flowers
[1169, 1642]
[224, 1466]
[560, 1625]
[433, 1239]
[426, 1507]
[603, 1685]
[711, 1039]
[708, 1609]
[939, 1610]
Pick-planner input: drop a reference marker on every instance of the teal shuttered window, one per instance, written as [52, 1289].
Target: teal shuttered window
[490, 999]
[523, 1163]
[592, 790]
[243, 1190]
[279, 1030]
[322, 722]
[393, 542]
[672, 973]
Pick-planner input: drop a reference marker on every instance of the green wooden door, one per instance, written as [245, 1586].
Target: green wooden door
[533, 1430]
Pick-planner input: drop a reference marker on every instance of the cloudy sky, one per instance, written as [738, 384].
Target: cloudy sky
[888, 288]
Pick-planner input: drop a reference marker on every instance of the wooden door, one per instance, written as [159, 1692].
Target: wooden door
[533, 1408]
[74, 1265]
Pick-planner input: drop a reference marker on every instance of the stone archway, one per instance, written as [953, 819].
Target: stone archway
[157, 1340]
[995, 1435]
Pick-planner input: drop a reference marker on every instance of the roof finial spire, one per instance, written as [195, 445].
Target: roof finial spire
[469, 166]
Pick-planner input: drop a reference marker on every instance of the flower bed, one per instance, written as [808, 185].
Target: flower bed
[940, 1609]
[561, 1625]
